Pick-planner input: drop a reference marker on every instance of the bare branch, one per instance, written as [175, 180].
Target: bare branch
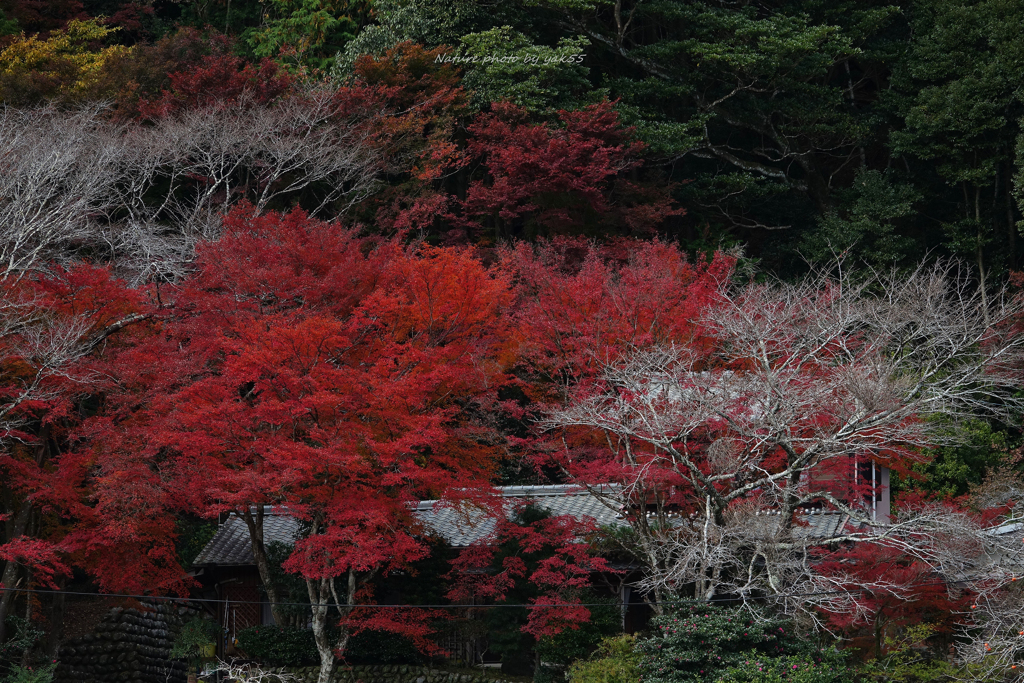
[736, 465]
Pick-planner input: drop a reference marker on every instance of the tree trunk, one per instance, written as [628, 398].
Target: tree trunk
[1011, 224]
[320, 593]
[259, 553]
[980, 255]
[27, 652]
[323, 644]
[11, 568]
[853, 104]
[56, 623]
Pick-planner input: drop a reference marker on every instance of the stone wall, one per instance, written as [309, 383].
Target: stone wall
[134, 646]
[128, 646]
[397, 673]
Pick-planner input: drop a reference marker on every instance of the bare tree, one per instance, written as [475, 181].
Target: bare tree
[724, 452]
[991, 634]
[207, 159]
[142, 196]
[991, 631]
[56, 179]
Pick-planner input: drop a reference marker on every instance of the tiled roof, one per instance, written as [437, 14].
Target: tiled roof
[231, 545]
[821, 525]
[460, 528]
[1006, 548]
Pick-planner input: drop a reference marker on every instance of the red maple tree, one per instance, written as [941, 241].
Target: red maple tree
[893, 590]
[581, 303]
[420, 138]
[554, 179]
[71, 506]
[330, 375]
[218, 81]
[552, 555]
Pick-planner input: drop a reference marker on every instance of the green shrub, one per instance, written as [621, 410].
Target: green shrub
[790, 669]
[577, 643]
[191, 640]
[706, 644]
[279, 646]
[38, 674]
[21, 636]
[615, 661]
[381, 647]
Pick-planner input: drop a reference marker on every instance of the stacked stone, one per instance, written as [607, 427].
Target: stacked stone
[391, 674]
[128, 646]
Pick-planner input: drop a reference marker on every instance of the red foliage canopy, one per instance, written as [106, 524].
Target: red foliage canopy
[565, 567]
[582, 304]
[560, 178]
[306, 367]
[220, 80]
[97, 510]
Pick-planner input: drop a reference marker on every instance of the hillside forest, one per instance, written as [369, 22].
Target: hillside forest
[711, 261]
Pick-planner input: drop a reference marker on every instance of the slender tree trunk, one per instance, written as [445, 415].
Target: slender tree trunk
[320, 593]
[993, 220]
[259, 553]
[11, 568]
[28, 622]
[1011, 224]
[982, 283]
[850, 93]
[705, 588]
[320, 606]
[56, 622]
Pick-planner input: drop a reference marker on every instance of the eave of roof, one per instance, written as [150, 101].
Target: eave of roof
[460, 527]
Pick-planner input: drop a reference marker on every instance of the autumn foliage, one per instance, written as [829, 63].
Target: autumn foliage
[581, 303]
[352, 295]
[219, 80]
[299, 350]
[307, 367]
[62, 330]
[337, 376]
[547, 179]
[546, 554]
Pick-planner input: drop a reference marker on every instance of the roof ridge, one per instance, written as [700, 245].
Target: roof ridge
[543, 489]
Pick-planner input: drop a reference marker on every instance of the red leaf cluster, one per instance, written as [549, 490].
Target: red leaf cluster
[559, 178]
[305, 366]
[97, 511]
[220, 80]
[566, 566]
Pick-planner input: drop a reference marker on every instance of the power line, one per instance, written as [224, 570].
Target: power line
[688, 601]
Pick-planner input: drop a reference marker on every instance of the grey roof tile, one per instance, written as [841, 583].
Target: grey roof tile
[461, 528]
[231, 546]
[820, 525]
